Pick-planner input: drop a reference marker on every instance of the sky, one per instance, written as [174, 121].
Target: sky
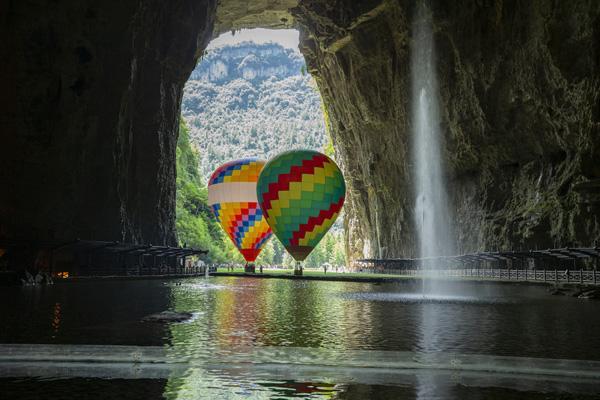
[286, 37]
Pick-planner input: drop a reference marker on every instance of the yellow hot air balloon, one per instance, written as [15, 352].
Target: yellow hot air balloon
[232, 197]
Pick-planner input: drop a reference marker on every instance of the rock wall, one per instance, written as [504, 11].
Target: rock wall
[90, 94]
[233, 15]
[520, 89]
[248, 61]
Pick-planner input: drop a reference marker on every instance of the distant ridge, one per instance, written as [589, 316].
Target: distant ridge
[248, 61]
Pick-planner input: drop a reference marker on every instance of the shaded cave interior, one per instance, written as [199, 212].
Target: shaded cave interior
[91, 97]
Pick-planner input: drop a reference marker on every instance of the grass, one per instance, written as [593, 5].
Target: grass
[367, 276]
[318, 273]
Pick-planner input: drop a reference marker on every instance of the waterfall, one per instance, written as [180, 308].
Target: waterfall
[431, 210]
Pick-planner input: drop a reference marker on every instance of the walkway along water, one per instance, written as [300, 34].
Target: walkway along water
[84, 258]
[570, 265]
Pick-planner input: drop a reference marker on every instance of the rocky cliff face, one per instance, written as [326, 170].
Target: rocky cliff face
[91, 92]
[520, 88]
[248, 61]
[90, 100]
[234, 15]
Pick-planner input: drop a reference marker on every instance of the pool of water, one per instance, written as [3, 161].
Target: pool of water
[275, 338]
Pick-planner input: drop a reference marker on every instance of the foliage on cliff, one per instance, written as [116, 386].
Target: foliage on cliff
[196, 226]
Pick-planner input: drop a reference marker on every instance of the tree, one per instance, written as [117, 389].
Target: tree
[278, 251]
[196, 226]
[267, 254]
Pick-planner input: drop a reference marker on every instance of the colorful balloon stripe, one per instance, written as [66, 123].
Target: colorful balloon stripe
[294, 175]
[315, 225]
[301, 193]
[244, 224]
[314, 191]
[245, 170]
[235, 206]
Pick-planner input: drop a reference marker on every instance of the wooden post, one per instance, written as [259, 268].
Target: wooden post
[51, 262]
[555, 275]
[581, 276]
[89, 262]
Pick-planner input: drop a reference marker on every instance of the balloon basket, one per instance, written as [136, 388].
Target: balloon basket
[249, 269]
[298, 269]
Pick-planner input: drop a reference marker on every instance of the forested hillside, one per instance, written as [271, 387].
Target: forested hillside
[196, 226]
[251, 100]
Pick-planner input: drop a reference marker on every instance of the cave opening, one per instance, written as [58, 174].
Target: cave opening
[92, 108]
[94, 147]
[249, 96]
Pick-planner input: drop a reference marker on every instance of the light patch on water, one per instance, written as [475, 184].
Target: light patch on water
[201, 286]
[240, 333]
[416, 298]
[193, 318]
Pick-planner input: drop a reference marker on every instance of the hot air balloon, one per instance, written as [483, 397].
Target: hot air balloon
[301, 193]
[232, 196]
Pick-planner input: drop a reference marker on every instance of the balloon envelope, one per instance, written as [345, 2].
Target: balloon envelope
[232, 197]
[301, 193]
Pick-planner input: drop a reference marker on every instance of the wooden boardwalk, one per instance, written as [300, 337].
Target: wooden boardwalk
[81, 258]
[563, 265]
[589, 277]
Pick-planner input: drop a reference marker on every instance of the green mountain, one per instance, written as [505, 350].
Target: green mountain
[245, 100]
[249, 100]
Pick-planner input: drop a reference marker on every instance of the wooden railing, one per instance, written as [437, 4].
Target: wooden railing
[101, 258]
[555, 275]
[569, 264]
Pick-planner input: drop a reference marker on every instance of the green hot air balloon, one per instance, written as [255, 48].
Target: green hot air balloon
[301, 193]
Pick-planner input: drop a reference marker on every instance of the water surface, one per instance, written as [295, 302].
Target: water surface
[275, 338]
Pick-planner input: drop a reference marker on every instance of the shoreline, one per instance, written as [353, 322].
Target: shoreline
[392, 279]
[317, 276]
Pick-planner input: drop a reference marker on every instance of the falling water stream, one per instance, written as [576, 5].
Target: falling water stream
[431, 211]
